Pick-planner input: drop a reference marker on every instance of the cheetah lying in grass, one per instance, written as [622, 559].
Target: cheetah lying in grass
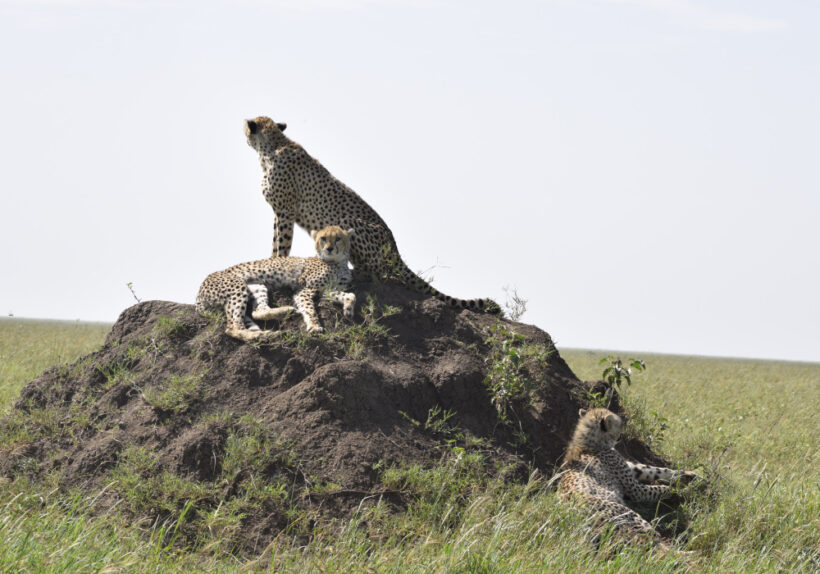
[302, 192]
[232, 288]
[596, 475]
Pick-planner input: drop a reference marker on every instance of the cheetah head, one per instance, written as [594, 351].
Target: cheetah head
[598, 429]
[264, 135]
[332, 243]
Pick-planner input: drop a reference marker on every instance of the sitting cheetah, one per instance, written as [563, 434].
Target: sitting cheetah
[300, 190]
[594, 473]
[231, 288]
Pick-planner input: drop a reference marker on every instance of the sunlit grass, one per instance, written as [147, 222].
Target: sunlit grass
[759, 412]
[28, 346]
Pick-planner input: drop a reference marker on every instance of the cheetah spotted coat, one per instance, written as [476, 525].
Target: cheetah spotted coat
[597, 476]
[302, 192]
[232, 288]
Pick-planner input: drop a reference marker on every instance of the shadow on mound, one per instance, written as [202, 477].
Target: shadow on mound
[285, 435]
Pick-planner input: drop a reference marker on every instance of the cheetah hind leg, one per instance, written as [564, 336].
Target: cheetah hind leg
[235, 308]
[262, 311]
[258, 299]
[646, 474]
[249, 324]
[274, 314]
[346, 300]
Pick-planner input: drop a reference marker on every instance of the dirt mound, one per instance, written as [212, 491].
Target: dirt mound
[257, 438]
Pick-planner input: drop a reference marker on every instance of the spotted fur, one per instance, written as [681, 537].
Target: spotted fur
[232, 288]
[596, 475]
[302, 192]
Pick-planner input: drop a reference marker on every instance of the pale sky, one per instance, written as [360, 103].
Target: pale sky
[646, 173]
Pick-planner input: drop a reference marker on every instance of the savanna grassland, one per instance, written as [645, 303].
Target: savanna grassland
[748, 427]
[28, 346]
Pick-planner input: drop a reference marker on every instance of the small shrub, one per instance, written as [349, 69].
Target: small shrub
[130, 286]
[515, 306]
[508, 378]
[616, 373]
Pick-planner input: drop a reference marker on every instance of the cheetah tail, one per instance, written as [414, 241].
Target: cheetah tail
[416, 283]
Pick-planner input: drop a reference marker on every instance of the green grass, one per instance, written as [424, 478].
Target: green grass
[175, 393]
[760, 412]
[28, 346]
[749, 427]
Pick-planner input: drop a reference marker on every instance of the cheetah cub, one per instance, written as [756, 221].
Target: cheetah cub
[595, 474]
[232, 288]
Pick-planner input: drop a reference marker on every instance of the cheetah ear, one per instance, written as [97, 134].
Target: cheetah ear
[581, 413]
[281, 126]
[314, 233]
[251, 126]
[350, 232]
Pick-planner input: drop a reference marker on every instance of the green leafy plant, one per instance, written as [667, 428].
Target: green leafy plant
[616, 372]
[507, 378]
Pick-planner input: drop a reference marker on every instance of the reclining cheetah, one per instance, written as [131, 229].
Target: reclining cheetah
[300, 190]
[600, 478]
[231, 288]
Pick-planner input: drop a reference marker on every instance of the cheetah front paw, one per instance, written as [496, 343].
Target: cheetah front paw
[349, 306]
[685, 477]
[315, 329]
[245, 335]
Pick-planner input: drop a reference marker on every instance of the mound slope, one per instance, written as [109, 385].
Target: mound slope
[299, 429]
